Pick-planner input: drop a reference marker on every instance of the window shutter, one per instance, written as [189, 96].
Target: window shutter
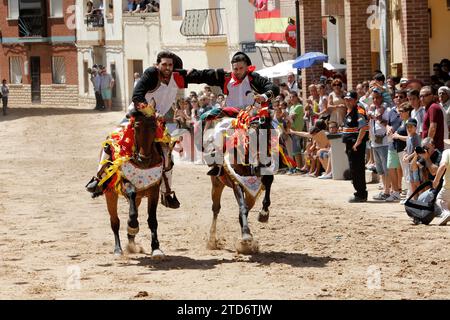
[13, 9]
[56, 8]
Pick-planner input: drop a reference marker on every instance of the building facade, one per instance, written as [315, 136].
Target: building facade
[204, 33]
[38, 56]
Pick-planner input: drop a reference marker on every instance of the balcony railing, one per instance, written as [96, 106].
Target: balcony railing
[32, 26]
[203, 23]
[95, 20]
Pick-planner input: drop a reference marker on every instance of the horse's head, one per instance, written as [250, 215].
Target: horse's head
[145, 125]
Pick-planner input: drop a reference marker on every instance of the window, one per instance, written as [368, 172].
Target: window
[58, 70]
[15, 70]
[56, 8]
[13, 9]
[177, 8]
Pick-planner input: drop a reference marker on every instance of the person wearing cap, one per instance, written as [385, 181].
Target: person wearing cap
[242, 86]
[160, 84]
[403, 83]
[355, 136]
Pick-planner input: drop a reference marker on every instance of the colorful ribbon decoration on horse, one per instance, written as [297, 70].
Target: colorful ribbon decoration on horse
[121, 143]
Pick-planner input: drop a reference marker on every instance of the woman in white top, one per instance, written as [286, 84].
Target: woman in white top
[323, 101]
[336, 104]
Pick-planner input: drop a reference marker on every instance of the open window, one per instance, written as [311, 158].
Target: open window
[15, 70]
[58, 70]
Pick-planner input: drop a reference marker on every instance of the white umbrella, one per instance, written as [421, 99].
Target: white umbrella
[279, 70]
[334, 66]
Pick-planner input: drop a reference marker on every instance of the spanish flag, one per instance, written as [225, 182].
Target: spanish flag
[270, 26]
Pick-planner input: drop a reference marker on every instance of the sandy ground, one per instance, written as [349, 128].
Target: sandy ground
[56, 242]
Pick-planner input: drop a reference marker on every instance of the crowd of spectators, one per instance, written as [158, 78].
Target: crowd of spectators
[408, 123]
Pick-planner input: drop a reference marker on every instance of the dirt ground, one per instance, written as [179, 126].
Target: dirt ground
[56, 242]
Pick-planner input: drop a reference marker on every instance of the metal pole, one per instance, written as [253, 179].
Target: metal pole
[297, 35]
[297, 26]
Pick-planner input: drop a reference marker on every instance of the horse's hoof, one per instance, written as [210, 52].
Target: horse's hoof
[248, 246]
[263, 216]
[158, 254]
[212, 244]
[134, 248]
[118, 252]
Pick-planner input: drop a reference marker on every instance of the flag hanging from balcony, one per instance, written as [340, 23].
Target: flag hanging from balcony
[270, 26]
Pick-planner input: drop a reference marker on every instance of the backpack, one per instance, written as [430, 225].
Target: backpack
[424, 209]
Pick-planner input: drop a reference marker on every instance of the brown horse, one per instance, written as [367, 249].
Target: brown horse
[146, 156]
[245, 199]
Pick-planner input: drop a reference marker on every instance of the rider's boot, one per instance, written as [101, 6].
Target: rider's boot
[167, 199]
[92, 186]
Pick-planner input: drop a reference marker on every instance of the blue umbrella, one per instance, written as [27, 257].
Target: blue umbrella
[308, 59]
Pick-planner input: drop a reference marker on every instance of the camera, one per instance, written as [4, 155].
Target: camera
[419, 149]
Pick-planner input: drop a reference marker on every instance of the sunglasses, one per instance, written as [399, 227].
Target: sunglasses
[424, 95]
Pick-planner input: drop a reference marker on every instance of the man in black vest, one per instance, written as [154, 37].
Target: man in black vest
[355, 137]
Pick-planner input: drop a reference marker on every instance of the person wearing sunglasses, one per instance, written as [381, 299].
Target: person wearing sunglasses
[433, 122]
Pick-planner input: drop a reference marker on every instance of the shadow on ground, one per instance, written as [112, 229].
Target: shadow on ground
[297, 260]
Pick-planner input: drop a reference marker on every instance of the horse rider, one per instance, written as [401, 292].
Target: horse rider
[354, 136]
[243, 87]
[160, 83]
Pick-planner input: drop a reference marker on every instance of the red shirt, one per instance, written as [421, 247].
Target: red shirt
[434, 114]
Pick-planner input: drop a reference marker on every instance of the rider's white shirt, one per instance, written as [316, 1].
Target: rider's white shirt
[241, 95]
[164, 95]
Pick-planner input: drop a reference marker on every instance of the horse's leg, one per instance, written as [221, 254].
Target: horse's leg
[111, 202]
[153, 222]
[132, 246]
[267, 181]
[133, 223]
[216, 194]
[243, 212]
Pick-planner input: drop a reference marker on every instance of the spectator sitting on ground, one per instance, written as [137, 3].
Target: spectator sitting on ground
[319, 149]
[443, 197]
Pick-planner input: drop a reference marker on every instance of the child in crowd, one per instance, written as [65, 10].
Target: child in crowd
[412, 142]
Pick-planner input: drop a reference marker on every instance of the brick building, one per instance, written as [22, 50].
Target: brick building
[350, 32]
[38, 56]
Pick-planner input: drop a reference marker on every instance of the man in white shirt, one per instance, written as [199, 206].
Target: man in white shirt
[292, 84]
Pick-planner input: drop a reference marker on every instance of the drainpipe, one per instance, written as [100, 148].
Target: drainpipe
[384, 36]
[297, 36]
